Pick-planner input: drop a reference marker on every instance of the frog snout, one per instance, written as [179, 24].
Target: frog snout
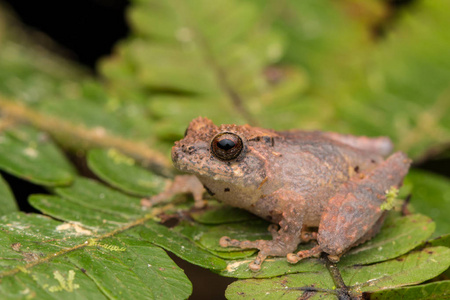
[175, 154]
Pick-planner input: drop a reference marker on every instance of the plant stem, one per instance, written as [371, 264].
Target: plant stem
[79, 137]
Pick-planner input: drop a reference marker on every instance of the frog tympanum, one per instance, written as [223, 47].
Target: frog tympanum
[295, 179]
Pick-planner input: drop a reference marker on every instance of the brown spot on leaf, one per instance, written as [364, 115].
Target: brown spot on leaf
[306, 295]
[16, 246]
[169, 220]
[30, 256]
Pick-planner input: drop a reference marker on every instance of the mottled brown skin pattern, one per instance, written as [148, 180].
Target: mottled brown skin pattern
[297, 179]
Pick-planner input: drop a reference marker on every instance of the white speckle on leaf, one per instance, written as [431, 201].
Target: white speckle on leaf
[370, 281]
[25, 291]
[197, 237]
[233, 266]
[101, 196]
[79, 230]
[380, 248]
[30, 152]
[17, 225]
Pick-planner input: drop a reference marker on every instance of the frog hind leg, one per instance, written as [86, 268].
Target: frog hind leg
[285, 239]
[282, 244]
[354, 214]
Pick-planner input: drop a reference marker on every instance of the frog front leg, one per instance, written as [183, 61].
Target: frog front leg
[354, 214]
[284, 240]
[181, 184]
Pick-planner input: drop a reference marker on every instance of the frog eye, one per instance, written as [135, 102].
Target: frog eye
[226, 146]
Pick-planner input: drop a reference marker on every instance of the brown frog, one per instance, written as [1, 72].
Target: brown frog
[296, 179]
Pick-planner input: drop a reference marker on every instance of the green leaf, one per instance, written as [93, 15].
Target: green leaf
[31, 155]
[181, 246]
[68, 211]
[434, 290]
[430, 195]
[51, 281]
[63, 259]
[252, 230]
[406, 270]
[272, 267]
[220, 214]
[443, 240]
[7, 202]
[122, 172]
[195, 232]
[94, 195]
[102, 209]
[108, 240]
[138, 269]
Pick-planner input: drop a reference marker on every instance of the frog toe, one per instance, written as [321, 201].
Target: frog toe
[255, 265]
[296, 257]
[226, 241]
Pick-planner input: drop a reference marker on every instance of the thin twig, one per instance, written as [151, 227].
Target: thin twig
[343, 292]
[78, 136]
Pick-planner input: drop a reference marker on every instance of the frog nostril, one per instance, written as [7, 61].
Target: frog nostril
[191, 150]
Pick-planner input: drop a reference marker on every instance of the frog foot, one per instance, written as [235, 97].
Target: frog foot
[294, 258]
[266, 248]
